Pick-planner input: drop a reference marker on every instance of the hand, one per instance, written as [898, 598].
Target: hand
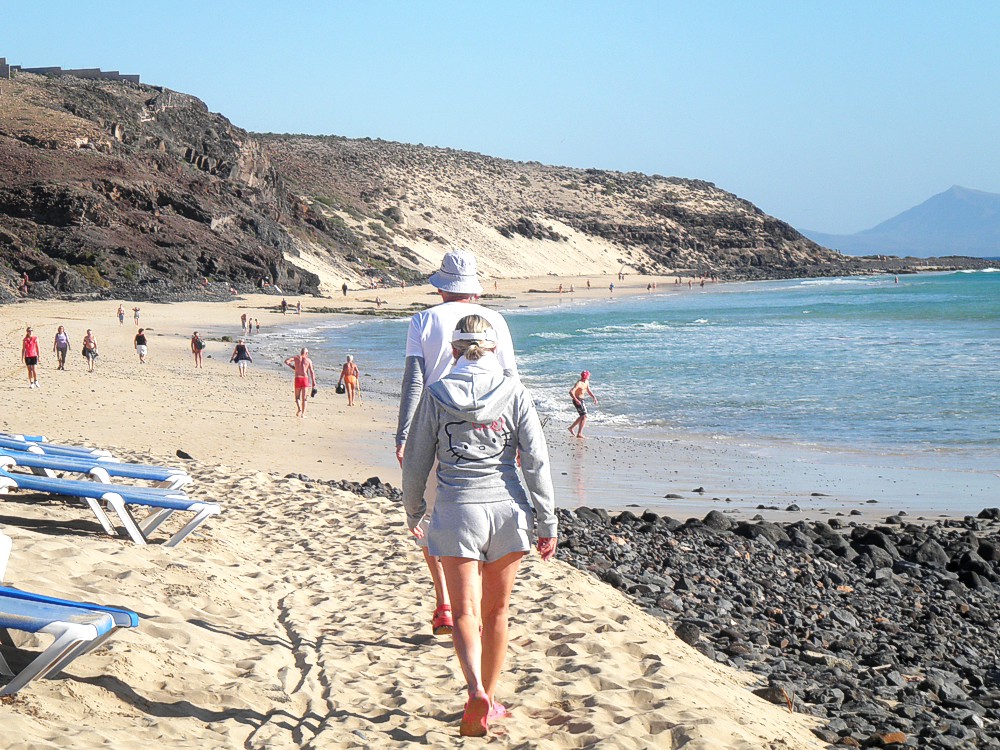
[547, 547]
[418, 532]
[399, 454]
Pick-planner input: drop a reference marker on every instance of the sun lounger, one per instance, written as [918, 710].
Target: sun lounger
[162, 503]
[78, 627]
[21, 443]
[70, 627]
[102, 471]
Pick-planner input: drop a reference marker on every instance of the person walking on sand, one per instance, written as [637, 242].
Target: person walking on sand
[29, 355]
[135, 315]
[60, 345]
[284, 306]
[343, 288]
[197, 347]
[349, 377]
[428, 358]
[140, 345]
[475, 422]
[241, 356]
[578, 393]
[305, 378]
[90, 350]
[243, 324]
[121, 315]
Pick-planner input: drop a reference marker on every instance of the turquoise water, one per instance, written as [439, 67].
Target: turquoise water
[861, 363]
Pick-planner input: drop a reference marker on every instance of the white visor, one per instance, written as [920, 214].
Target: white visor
[486, 337]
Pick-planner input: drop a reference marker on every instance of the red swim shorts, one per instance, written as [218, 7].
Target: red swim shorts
[301, 381]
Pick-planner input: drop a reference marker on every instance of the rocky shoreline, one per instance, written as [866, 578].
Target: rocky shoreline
[888, 632]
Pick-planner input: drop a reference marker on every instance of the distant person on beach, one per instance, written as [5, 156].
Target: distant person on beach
[60, 345]
[29, 355]
[428, 358]
[257, 324]
[243, 324]
[305, 378]
[241, 356]
[343, 288]
[25, 284]
[578, 393]
[140, 345]
[284, 306]
[474, 423]
[298, 308]
[349, 377]
[90, 349]
[611, 287]
[121, 315]
[197, 347]
[135, 315]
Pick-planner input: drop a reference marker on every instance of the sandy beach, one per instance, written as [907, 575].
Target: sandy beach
[299, 618]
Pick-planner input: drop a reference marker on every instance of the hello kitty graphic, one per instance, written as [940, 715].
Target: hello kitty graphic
[470, 441]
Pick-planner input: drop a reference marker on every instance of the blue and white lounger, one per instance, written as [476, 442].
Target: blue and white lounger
[162, 503]
[19, 442]
[100, 469]
[71, 628]
[78, 627]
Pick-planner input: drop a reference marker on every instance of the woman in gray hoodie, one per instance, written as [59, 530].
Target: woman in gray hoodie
[474, 422]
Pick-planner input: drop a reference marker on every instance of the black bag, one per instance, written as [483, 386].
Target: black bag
[341, 388]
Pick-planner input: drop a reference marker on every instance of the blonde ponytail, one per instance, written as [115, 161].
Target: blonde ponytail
[473, 337]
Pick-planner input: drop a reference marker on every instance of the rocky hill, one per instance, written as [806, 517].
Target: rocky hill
[410, 203]
[114, 187]
[119, 186]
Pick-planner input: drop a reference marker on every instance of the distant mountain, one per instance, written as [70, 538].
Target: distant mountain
[958, 221]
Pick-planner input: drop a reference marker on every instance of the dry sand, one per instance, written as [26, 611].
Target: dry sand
[300, 617]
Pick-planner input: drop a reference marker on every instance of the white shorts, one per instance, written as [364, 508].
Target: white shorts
[141, 349]
[480, 531]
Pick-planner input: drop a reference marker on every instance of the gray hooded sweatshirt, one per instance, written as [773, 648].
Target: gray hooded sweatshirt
[473, 422]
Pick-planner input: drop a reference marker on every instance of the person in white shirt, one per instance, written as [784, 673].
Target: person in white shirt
[429, 358]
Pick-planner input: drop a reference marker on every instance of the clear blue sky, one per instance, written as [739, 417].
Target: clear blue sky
[830, 115]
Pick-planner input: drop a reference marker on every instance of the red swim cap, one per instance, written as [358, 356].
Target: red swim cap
[585, 375]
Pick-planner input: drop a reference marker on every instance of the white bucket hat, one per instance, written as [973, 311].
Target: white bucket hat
[457, 274]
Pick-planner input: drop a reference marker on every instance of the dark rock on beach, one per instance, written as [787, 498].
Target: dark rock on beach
[888, 633]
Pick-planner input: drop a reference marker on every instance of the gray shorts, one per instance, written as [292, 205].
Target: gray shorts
[480, 531]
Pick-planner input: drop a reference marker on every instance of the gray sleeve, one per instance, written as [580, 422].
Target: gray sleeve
[413, 386]
[535, 465]
[418, 460]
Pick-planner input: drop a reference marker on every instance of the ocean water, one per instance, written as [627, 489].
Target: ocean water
[859, 363]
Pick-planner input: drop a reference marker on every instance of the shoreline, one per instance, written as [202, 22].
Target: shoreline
[613, 468]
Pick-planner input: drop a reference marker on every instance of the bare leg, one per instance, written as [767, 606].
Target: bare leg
[298, 402]
[583, 421]
[437, 576]
[497, 582]
[464, 581]
[574, 425]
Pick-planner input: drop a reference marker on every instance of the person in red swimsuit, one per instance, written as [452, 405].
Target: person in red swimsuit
[305, 378]
[29, 353]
